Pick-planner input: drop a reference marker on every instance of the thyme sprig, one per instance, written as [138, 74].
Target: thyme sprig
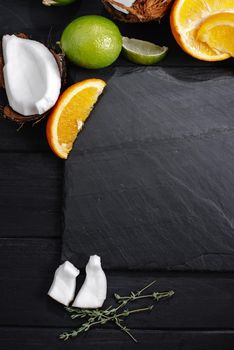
[94, 317]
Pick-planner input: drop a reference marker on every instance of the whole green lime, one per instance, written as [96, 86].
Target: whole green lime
[91, 42]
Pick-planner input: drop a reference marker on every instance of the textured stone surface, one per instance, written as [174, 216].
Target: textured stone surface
[150, 182]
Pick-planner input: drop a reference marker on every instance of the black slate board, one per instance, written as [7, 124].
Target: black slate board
[149, 184]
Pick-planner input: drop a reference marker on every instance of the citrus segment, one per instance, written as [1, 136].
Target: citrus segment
[217, 31]
[186, 18]
[70, 113]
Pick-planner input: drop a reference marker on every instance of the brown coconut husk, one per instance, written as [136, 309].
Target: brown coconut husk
[140, 11]
[8, 112]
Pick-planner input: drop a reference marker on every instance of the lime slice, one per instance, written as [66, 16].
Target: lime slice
[143, 52]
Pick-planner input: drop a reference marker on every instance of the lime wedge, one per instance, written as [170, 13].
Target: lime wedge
[143, 52]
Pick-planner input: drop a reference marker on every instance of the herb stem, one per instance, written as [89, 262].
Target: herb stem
[129, 312]
[146, 287]
[159, 296]
[94, 317]
[125, 329]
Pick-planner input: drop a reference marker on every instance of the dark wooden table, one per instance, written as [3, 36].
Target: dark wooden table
[199, 317]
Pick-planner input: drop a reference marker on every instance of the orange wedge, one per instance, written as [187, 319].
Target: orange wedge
[69, 114]
[217, 31]
[186, 18]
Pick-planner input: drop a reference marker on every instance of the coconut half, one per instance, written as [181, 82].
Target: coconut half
[137, 10]
[32, 78]
[94, 289]
[127, 3]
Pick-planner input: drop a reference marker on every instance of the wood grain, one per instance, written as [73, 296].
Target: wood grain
[31, 195]
[202, 300]
[42, 338]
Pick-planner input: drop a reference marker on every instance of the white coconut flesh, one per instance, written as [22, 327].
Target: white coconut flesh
[127, 3]
[94, 289]
[31, 75]
[64, 283]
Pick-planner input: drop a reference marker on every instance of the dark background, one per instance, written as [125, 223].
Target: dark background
[200, 316]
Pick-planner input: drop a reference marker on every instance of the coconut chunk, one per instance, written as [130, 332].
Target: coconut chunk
[64, 283]
[127, 3]
[31, 75]
[94, 289]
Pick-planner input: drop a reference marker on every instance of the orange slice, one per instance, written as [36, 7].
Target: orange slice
[186, 18]
[217, 31]
[69, 114]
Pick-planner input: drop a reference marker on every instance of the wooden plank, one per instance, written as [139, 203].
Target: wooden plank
[28, 138]
[47, 24]
[37, 339]
[202, 300]
[31, 194]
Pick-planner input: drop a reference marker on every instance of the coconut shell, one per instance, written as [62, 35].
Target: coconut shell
[140, 11]
[8, 112]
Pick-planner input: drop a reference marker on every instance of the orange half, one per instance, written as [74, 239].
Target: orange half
[186, 18]
[69, 114]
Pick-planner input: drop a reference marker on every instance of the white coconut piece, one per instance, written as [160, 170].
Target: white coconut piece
[31, 75]
[64, 283]
[94, 289]
[127, 3]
